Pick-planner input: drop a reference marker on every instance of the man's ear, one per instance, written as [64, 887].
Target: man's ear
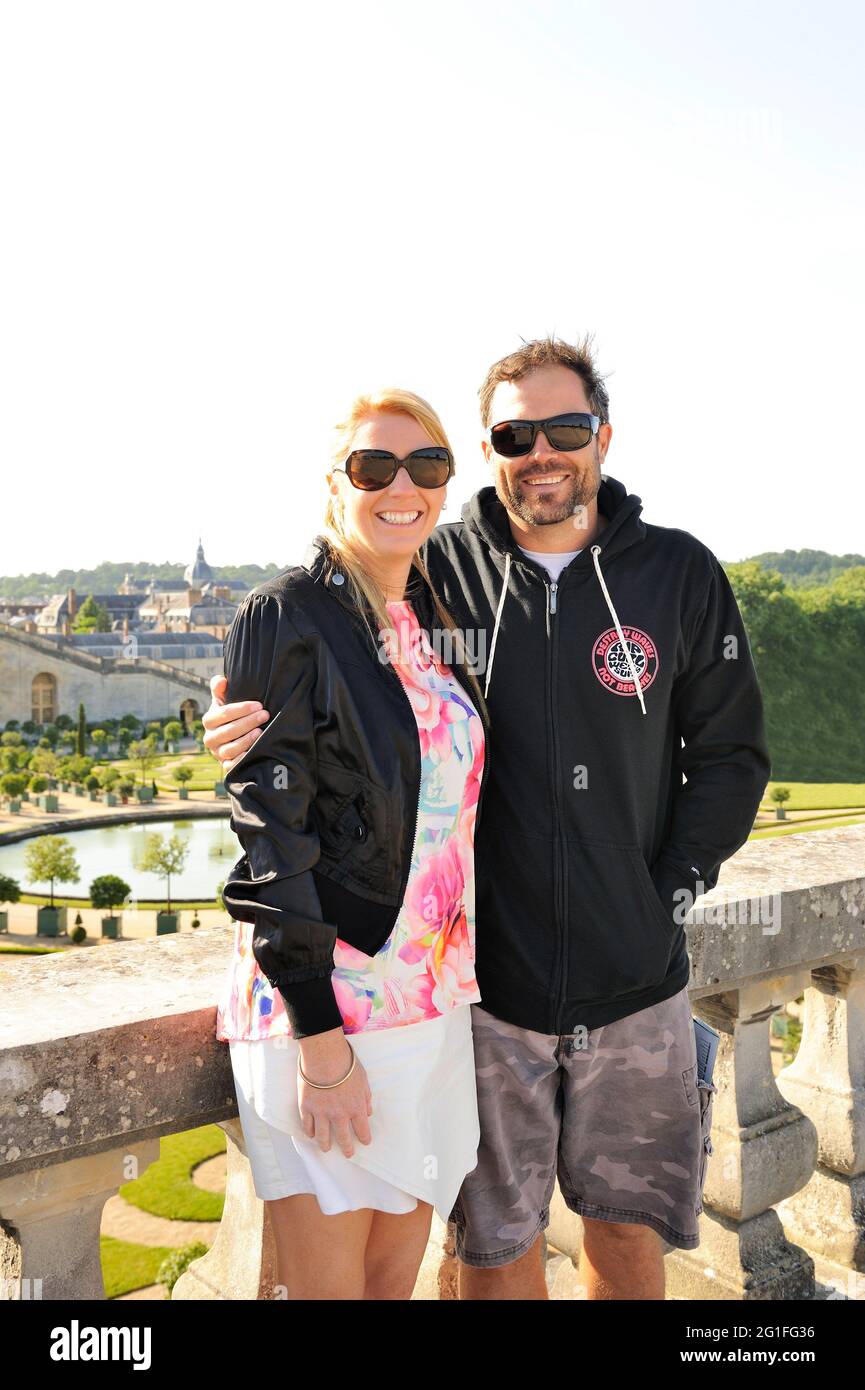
[605, 434]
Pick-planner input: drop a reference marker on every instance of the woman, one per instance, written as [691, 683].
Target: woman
[345, 1003]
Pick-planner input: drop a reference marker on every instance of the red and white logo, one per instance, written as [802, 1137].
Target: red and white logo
[611, 664]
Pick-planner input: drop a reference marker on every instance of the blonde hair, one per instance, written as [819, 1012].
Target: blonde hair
[365, 589]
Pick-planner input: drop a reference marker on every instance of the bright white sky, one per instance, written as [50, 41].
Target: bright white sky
[220, 221]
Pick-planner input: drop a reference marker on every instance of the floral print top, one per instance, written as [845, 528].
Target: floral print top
[426, 966]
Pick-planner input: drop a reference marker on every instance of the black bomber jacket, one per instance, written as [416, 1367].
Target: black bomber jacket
[325, 801]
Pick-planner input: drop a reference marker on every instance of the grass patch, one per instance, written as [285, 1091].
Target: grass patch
[166, 1188]
[30, 950]
[144, 905]
[804, 827]
[126, 1267]
[817, 796]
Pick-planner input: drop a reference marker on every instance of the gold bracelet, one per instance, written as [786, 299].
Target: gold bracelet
[330, 1084]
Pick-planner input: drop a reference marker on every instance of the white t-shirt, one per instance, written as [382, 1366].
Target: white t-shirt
[553, 564]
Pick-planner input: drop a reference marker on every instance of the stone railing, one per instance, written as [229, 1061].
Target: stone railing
[104, 1050]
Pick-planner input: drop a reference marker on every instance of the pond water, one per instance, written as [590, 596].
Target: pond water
[117, 849]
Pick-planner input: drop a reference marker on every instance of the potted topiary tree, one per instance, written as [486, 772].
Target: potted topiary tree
[12, 784]
[100, 738]
[183, 775]
[109, 891]
[126, 789]
[779, 795]
[108, 779]
[93, 787]
[39, 787]
[50, 859]
[164, 858]
[10, 892]
[173, 733]
[143, 752]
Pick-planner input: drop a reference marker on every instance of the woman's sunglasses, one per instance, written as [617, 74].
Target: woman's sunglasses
[373, 469]
[513, 438]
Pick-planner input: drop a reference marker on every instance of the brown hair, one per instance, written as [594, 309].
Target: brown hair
[364, 590]
[545, 352]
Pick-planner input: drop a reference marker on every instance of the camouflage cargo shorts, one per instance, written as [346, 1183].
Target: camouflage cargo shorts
[616, 1113]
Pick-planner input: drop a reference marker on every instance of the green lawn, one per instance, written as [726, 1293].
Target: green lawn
[144, 904]
[126, 1267]
[30, 950]
[166, 1187]
[205, 769]
[806, 828]
[818, 796]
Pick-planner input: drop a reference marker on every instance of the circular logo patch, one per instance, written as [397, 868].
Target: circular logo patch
[611, 664]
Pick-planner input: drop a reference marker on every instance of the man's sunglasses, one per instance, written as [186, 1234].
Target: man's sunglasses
[373, 469]
[513, 438]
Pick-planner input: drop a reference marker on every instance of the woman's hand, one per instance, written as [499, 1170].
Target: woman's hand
[343, 1112]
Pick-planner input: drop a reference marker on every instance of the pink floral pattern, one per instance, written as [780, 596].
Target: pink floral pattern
[426, 966]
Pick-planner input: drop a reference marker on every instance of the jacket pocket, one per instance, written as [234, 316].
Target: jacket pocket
[353, 819]
[620, 938]
[654, 901]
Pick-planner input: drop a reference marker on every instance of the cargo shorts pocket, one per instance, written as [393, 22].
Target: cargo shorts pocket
[706, 1091]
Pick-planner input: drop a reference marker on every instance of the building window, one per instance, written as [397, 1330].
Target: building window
[44, 699]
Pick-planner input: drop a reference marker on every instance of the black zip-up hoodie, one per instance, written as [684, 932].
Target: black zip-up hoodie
[589, 834]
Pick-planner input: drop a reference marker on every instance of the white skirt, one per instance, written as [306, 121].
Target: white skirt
[424, 1125]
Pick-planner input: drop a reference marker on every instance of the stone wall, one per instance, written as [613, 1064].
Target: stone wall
[108, 689]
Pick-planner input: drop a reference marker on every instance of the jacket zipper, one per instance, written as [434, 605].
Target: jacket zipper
[559, 878]
[407, 871]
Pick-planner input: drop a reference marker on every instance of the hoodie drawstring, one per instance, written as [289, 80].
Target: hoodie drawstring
[625, 648]
[502, 598]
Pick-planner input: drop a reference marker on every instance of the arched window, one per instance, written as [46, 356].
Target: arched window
[44, 699]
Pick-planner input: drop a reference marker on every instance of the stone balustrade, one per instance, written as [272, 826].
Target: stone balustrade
[107, 1048]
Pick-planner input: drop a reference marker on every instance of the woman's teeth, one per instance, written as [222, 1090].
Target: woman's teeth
[399, 518]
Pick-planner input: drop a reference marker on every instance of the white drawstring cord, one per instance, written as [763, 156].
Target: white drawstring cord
[502, 598]
[625, 648]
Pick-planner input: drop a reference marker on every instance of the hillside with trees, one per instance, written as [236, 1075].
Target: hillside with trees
[808, 646]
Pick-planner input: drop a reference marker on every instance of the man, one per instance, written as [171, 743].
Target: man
[615, 662]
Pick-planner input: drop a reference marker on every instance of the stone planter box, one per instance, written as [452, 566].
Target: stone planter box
[78, 790]
[4, 923]
[50, 921]
[93, 796]
[219, 788]
[166, 922]
[110, 799]
[52, 783]
[144, 793]
[111, 927]
[15, 805]
[25, 796]
[64, 786]
[183, 793]
[49, 802]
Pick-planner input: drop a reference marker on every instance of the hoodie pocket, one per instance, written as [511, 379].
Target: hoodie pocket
[620, 937]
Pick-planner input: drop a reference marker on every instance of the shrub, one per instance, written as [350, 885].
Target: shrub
[178, 1262]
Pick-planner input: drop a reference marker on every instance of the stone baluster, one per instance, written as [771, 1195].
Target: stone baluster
[50, 1219]
[764, 1150]
[827, 1082]
[241, 1262]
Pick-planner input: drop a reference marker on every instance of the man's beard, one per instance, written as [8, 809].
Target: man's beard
[520, 498]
